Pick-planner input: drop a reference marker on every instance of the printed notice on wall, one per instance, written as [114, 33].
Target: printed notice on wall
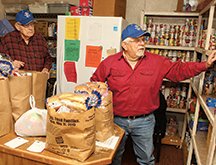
[72, 28]
[93, 56]
[72, 50]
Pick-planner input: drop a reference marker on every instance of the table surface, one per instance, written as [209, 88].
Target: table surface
[100, 156]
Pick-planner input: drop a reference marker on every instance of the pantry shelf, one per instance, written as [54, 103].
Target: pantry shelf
[171, 47]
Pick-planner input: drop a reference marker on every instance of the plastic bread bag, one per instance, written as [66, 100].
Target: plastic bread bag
[32, 122]
[6, 66]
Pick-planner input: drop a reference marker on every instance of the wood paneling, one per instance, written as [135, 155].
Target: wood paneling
[6, 159]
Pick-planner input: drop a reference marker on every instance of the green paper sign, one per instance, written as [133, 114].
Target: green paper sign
[72, 50]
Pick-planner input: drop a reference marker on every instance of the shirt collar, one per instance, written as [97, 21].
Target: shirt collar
[20, 39]
[123, 54]
[120, 55]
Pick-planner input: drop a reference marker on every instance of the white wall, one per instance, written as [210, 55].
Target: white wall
[135, 6]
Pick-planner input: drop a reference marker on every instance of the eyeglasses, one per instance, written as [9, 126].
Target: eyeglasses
[32, 24]
[139, 40]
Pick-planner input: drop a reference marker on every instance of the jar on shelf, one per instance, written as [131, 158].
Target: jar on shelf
[209, 83]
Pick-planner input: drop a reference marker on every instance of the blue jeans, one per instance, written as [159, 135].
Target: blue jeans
[141, 131]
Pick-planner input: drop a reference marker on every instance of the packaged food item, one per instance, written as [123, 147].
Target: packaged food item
[6, 66]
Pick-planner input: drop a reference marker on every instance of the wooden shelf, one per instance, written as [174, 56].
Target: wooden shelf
[199, 50]
[178, 110]
[202, 99]
[203, 51]
[208, 52]
[172, 140]
[188, 118]
[51, 38]
[39, 15]
[194, 89]
[174, 14]
[213, 2]
[205, 155]
[200, 147]
[171, 47]
[208, 111]
[185, 81]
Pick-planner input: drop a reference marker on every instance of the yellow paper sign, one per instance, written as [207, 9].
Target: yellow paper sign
[72, 28]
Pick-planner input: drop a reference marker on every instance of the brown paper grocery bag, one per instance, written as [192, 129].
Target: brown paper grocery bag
[107, 98]
[20, 90]
[71, 134]
[39, 85]
[5, 108]
[104, 122]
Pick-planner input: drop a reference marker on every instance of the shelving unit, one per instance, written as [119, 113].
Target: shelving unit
[37, 15]
[204, 148]
[172, 18]
[170, 47]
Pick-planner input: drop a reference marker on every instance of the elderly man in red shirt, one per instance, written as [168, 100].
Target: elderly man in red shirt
[27, 49]
[135, 77]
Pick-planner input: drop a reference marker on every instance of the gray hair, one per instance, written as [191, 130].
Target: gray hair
[128, 39]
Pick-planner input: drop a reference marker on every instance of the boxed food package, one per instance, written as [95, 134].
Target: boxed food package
[59, 8]
[75, 10]
[86, 11]
[86, 3]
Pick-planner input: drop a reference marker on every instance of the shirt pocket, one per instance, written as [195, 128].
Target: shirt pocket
[145, 78]
[146, 73]
[118, 74]
[117, 80]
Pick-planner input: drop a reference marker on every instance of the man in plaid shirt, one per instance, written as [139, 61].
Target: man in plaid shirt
[27, 49]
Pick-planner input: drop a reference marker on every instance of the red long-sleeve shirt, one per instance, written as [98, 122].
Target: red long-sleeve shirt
[136, 92]
[35, 54]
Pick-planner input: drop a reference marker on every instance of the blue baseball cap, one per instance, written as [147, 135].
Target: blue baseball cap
[24, 17]
[133, 31]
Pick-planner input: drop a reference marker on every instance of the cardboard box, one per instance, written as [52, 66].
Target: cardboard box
[180, 5]
[109, 8]
[75, 10]
[86, 11]
[42, 27]
[86, 3]
[59, 8]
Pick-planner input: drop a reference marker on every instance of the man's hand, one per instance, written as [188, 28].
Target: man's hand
[18, 64]
[45, 70]
[211, 59]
